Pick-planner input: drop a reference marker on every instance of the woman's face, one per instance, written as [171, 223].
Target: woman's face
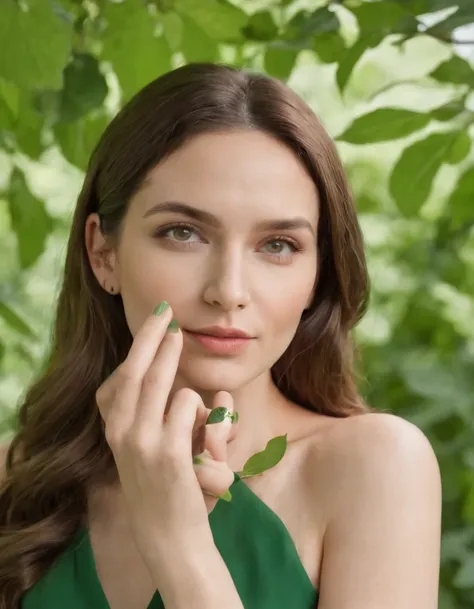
[218, 264]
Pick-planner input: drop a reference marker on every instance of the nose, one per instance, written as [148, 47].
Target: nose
[226, 286]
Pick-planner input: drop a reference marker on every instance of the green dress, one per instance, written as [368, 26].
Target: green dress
[252, 539]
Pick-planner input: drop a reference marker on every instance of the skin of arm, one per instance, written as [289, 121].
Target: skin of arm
[194, 575]
[381, 546]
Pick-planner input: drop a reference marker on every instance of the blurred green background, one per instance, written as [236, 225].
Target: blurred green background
[392, 81]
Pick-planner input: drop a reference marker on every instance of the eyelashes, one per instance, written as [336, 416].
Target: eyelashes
[163, 232]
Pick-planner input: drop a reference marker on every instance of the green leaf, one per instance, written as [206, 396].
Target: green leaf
[384, 124]
[266, 459]
[77, 140]
[459, 149]
[418, 7]
[10, 96]
[221, 20]
[19, 117]
[39, 41]
[351, 57]
[15, 321]
[137, 55]
[29, 127]
[304, 23]
[382, 17]
[454, 71]
[30, 220]
[280, 61]
[330, 47]
[261, 27]
[413, 174]
[227, 496]
[463, 16]
[196, 44]
[376, 20]
[450, 110]
[84, 88]
[461, 201]
[219, 414]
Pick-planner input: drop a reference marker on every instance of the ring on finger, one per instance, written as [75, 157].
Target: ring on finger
[219, 414]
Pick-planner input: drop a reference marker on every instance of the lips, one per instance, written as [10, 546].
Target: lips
[222, 332]
[220, 345]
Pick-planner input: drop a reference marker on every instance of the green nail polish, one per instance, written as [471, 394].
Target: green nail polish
[227, 496]
[161, 308]
[173, 326]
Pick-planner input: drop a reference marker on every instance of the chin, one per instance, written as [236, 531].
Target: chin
[215, 375]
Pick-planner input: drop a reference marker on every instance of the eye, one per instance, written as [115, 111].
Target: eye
[280, 243]
[178, 232]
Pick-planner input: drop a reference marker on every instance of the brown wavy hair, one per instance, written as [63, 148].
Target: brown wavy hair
[59, 449]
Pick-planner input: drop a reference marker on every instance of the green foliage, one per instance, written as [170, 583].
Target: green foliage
[384, 124]
[67, 66]
[270, 456]
[30, 220]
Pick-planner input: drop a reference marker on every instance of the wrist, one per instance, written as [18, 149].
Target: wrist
[195, 576]
[171, 553]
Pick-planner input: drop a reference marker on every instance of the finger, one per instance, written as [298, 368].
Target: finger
[126, 381]
[186, 412]
[145, 345]
[105, 395]
[217, 434]
[158, 382]
[214, 477]
[199, 432]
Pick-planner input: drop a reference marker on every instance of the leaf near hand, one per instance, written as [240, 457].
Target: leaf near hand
[267, 458]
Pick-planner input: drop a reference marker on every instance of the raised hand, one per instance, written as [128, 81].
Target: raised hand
[154, 453]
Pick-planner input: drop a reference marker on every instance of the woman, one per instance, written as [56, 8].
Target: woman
[215, 199]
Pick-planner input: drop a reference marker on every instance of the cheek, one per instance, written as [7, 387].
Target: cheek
[282, 321]
[141, 280]
[287, 299]
[146, 279]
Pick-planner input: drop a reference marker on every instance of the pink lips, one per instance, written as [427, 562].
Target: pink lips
[218, 344]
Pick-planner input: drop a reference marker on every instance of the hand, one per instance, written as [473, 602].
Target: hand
[154, 456]
[210, 450]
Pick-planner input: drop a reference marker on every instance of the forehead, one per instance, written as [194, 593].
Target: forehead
[236, 175]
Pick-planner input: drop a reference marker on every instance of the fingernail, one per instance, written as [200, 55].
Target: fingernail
[227, 496]
[161, 308]
[173, 326]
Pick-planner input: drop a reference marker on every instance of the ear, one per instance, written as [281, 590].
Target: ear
[102, 257]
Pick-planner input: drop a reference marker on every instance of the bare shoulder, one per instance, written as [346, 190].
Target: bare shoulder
[374, 456]
[378, 434]
[379, 482]
[369, 438]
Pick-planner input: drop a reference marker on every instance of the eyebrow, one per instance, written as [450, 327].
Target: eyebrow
[207, 218]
